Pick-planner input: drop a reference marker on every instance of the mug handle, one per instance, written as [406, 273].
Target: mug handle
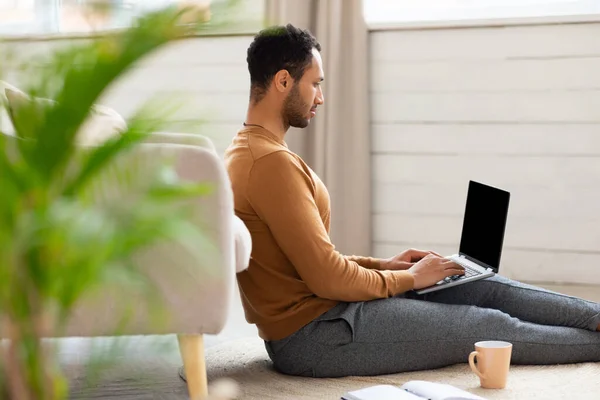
[472, 364]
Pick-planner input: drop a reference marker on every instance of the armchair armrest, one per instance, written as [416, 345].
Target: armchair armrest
[243, 244]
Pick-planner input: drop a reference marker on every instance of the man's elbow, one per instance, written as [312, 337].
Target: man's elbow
[325, 290]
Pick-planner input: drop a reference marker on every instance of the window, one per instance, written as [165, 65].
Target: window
[38, 17]
[15, 14]
[404, 11]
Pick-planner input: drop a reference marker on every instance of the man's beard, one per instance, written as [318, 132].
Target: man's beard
[293, 109]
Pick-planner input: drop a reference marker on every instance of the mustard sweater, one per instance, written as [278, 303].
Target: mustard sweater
[295, 273]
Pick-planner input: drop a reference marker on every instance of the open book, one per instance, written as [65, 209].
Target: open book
[413, 390]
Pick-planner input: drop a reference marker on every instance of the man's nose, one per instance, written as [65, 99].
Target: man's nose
[320, 98]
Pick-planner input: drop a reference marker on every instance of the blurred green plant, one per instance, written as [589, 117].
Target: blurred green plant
[61, 237]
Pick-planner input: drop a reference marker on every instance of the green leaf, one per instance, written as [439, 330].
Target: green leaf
[150, 118]
[96, 66]
[10, 181]
[101, 156]
[76, 220]
[180, 191]
[27, 113]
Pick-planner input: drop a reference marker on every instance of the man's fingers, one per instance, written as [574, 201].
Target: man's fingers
[452, 272]
[451, 265]
[416, 255]
[448, 262]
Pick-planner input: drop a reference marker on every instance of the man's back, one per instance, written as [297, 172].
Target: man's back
[275, 297]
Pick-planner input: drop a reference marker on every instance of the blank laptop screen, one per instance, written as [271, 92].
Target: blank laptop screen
[484, 224]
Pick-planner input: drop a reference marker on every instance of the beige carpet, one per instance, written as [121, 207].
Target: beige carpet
[246, 362]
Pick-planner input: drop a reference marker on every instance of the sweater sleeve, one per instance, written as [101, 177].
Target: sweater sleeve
[366, 262]
[282, 195]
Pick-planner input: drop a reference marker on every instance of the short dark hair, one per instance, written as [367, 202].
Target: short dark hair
[277, 48]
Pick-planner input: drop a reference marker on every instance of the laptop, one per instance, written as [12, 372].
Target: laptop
[482, 236]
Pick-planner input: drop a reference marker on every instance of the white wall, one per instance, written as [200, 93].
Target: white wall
[209, 77]
[515, 107]
[203, 78]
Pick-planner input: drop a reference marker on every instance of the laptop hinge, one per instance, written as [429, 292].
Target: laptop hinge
[474, 260]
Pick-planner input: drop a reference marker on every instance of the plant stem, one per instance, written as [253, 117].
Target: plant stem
[16, 367]
[28, 374]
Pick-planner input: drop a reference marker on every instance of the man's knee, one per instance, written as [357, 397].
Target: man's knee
[492, 320]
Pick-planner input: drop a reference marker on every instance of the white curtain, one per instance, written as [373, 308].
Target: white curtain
[337, 143]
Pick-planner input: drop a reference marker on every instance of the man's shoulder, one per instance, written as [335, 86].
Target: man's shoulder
[255, 152]
[257, 147]
[261, 147]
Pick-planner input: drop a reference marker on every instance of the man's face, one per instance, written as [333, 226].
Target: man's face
[305, 95]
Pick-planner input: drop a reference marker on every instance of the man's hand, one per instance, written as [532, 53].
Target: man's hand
[432, 269]
[405, 260]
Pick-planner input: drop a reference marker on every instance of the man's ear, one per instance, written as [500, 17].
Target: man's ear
[283, 80]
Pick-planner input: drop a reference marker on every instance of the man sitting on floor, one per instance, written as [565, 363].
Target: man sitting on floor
[325, 314]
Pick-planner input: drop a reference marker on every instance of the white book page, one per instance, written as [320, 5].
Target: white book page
[438, 391]
[380, 392]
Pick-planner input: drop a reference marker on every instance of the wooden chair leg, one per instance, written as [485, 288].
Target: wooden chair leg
[191, 348]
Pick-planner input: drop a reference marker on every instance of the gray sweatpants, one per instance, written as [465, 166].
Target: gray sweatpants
[411, 332]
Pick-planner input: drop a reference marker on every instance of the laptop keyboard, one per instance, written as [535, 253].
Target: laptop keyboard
[469, 272]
